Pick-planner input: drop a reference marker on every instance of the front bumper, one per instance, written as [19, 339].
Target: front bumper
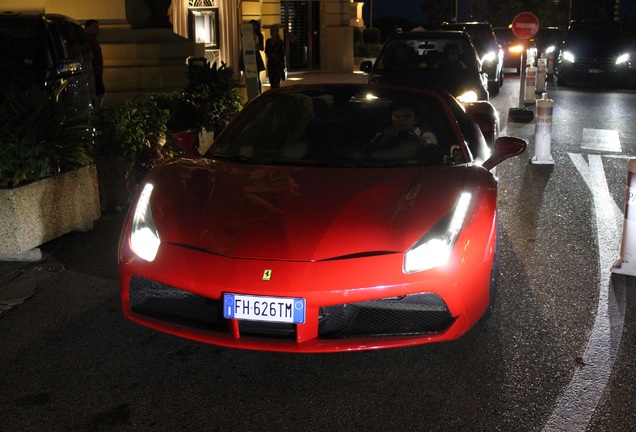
[346, 308]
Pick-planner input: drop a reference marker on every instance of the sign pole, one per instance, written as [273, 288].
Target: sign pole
[524, 26]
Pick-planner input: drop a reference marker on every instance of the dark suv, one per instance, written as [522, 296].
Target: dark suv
[419, 59]
[593, 51]
[50, 51]
[490, 53]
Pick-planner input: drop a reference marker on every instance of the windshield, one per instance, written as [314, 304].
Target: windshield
[428, 55]
[590, 34]
[335, 128]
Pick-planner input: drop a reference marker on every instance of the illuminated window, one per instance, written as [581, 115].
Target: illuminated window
[204, 26]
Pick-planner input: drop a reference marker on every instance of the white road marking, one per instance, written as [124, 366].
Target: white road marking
[601, 140]
[580, 398]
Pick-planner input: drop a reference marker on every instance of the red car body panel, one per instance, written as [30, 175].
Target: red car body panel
[305, 242]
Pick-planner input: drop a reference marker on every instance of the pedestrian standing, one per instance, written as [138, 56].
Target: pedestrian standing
[92, 30]
[258, 47]
[275, 52]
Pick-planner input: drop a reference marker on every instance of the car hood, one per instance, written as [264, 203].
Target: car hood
[456, 82]
[299, 213]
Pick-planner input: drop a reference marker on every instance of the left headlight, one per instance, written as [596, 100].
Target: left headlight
[144, 237]
[434, 248]
[489, 57]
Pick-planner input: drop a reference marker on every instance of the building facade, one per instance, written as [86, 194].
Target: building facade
[143, 53]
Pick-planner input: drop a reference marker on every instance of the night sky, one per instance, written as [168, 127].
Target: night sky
[412, 9]
[408, 9]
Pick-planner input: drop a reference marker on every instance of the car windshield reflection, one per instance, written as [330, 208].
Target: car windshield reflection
[339, 129]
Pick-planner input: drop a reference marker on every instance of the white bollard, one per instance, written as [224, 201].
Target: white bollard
[626, 262]
[531, 82]
[543, 131]
[550, 64]
[541, 75]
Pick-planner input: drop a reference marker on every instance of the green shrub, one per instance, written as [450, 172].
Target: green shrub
[39, 137]
[140, 131]
[212, 96]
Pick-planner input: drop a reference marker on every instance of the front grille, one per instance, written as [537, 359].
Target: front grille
[167, 303]
[408, 315]
[398, 316]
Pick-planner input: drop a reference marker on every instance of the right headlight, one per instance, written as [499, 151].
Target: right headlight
[434, 248]
[624, 58]
[469, 96]
[144, 237]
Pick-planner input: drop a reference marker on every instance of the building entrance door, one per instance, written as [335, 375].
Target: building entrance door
[301, 21]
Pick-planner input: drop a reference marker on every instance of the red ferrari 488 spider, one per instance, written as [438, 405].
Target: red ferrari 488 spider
[323, 218]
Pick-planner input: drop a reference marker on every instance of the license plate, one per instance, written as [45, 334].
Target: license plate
[260, 308]
[595, 71]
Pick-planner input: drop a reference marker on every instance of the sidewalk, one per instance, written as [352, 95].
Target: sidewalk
[20, 280]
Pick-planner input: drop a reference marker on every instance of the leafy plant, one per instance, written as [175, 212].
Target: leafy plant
[39, 137]
[135, 130]
[211, 97]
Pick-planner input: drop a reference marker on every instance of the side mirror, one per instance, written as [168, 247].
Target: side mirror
[67, 68]
[366, 66]
[504, 148]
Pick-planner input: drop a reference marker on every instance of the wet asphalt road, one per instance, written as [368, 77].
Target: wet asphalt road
[555, 355]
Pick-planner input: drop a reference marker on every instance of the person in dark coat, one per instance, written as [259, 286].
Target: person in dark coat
[258, 47]
[92, 30]
[275, 52]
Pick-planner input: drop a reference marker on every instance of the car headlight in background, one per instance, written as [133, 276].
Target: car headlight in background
[550, 49]
[490, 57]
[516, 49]
[469, 96]
[623, 58]
[434, 248]
[144, 238]
[568, 56]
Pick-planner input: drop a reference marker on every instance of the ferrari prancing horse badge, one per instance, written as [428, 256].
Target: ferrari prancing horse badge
[267, 274]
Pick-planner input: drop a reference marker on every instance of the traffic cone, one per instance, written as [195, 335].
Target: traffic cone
[541, 75]
[543, 131]
[626, 262]
[531, 82]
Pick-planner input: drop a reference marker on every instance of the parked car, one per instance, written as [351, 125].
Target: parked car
[49, 51]
[594, 51]
[415, 59]
[301, 231]
[490, 53]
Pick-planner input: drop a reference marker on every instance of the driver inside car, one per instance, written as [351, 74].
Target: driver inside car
[403, 138]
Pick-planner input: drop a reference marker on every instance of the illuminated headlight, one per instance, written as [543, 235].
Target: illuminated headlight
[550, 49]
[144, 238]
[469, 96]
[434, 248]
[516, 49]
[568, 56]
[624, 58]
[490, 57]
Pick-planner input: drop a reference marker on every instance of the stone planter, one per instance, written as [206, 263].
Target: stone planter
[35, 213]
[116, 182]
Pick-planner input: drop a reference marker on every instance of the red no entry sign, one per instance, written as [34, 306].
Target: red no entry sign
[525, 25]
